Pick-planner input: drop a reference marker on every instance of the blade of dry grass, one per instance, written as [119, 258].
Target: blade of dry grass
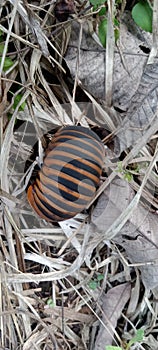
[104, 115]
[154, 49]
[63, 117]
[7, 145]
[36, 29]
[110, 45]
[52, 276]
[13, 14]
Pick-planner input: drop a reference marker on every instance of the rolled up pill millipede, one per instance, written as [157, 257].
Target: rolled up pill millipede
[67, 180]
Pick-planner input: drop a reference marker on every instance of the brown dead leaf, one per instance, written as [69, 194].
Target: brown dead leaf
[111, 204]
[142, 112]
[113, 303]
[134, 82]
[138, 236]
[128, 64]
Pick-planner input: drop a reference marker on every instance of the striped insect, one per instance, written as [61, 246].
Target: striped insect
[69, 175]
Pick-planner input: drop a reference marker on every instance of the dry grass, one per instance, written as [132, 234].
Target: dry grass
[47, 299]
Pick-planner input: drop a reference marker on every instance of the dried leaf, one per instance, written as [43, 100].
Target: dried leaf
[142, 110]
[135, 295]
[111, 204]
[113, 303]
[128, 64]
[137, 236]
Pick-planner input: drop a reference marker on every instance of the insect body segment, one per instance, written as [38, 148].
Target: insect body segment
[70, 173]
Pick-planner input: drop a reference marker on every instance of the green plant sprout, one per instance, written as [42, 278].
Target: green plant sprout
[50, 303]
[102, 15]
[142, 15]
[8, 61]
[138, 338]
[17, 99]
[126, 174]
[94, 283]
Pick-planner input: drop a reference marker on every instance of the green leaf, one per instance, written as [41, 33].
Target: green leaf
[93, 284]
[119, 167]
[17, 99]
[110, 347]
[116, 29]
[1, 48]
[137, 338]
[127, 176]
[139, 335]
[117, 34]
[142, 15]
[102, 11]
[50, 302]
[97, 2]
[7, 63]
[102, 31]
[100, 277]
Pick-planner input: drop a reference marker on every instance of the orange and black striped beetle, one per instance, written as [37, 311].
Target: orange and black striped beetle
[69, 175]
